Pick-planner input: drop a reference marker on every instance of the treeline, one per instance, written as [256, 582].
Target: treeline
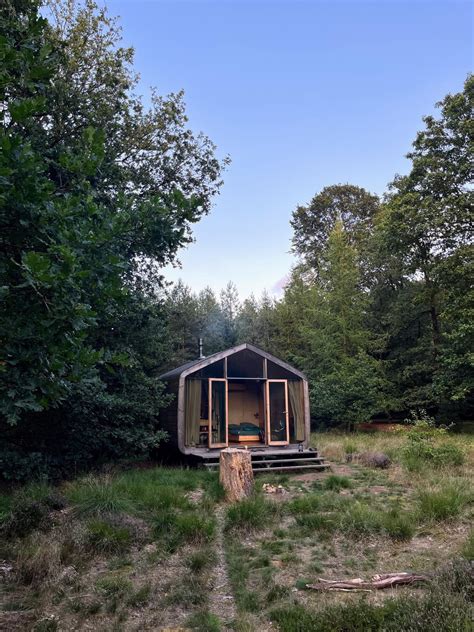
[98, 193]
[379, 311]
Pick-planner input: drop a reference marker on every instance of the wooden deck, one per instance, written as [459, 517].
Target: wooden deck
[265, 458]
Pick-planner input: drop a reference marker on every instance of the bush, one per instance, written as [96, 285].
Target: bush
[423, 445]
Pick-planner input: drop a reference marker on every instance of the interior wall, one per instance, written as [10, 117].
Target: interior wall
[245, 404]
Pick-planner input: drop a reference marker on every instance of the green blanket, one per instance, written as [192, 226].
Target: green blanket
[244, 430]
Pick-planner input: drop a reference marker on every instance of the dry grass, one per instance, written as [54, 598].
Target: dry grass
[137, 550]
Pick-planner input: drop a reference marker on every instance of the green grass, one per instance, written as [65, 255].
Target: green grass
[141, 492]
[6, 501]
[252, 514]
[172, 529]
[432, 612]
[201, 560]
[400, 525]
[114, 585]
[334, 482]
[107, 537]
[140, 597]
[444, 502]
[189, 590]
[204, 621]
[468, 547]
[238, 566]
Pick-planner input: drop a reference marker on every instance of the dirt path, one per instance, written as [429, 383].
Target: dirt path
[221, 601]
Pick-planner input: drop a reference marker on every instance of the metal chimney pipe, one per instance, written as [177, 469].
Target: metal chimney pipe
[201, 356]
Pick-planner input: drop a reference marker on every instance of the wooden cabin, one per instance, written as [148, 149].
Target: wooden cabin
[239, 397]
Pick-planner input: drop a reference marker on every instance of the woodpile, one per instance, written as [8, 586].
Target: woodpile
[377, 582]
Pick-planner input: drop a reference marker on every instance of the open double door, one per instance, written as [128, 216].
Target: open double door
[275, 394]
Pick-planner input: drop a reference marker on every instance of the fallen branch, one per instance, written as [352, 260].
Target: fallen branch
[377, 582]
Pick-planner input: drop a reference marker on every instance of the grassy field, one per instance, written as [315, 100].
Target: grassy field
[158, 549]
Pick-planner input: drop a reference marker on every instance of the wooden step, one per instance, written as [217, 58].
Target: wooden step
[268, 467]
[316, 466]
[268, 462]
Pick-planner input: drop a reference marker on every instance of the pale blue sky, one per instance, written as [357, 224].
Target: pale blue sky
[300, 95]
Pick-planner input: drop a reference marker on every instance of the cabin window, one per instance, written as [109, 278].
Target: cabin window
[216, 369]
[277, 372]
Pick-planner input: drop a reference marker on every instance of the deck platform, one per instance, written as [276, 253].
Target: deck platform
[264, 458]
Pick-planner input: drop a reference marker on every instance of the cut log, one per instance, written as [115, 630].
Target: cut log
[377, 582]
[235, 473]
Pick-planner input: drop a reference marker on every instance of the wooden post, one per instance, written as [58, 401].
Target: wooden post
[236, 474]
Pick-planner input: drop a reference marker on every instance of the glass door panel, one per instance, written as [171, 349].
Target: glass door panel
[277, 412]
[218, 413]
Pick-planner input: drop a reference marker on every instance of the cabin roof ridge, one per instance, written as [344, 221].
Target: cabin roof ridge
[195, 365]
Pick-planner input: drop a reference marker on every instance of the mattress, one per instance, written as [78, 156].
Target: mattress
[244, 430]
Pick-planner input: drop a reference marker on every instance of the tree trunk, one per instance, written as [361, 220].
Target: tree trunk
[236, 474]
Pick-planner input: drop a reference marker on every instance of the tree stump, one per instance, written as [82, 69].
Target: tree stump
[236, 474]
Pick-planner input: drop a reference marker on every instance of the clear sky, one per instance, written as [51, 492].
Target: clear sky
[301, 95]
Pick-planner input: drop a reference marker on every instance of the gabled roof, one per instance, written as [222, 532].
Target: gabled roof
[195, 365]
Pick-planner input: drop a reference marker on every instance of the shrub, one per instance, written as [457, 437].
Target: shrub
[350, 448]
[423, 445]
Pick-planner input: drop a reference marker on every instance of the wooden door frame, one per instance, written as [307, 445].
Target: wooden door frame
[267, 413]
[218, 445]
